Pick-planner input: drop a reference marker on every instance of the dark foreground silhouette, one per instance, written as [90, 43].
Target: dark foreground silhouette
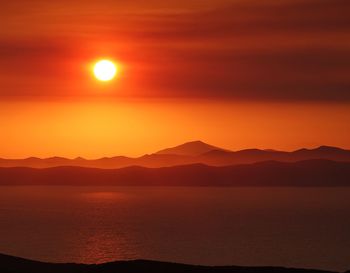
[9, 264]
[311, 173]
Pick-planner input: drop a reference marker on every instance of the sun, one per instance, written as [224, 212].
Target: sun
[105, 70]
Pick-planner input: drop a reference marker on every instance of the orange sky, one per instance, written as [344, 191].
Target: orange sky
[230, 49]
[95, 129]
[234, 73]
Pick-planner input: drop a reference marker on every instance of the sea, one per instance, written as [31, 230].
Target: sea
[292, 227]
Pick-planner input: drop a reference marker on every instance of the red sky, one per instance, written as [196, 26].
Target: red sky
[237, 66]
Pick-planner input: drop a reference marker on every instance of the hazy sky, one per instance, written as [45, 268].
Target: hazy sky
[252, 49]
[246, 62]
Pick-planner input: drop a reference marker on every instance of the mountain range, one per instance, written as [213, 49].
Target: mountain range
[311, 173]
[195, 152]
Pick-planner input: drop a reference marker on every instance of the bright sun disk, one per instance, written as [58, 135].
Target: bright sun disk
[105, 70]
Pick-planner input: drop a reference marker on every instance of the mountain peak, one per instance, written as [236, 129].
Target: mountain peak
[197, 142]
[192, 148]
[328, 148]
[322, 149]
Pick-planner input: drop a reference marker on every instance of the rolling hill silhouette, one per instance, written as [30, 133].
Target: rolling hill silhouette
[317, 172]
[10, 264]
[195, 152]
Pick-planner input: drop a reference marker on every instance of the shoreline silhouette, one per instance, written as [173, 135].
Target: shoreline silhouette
[11, 264]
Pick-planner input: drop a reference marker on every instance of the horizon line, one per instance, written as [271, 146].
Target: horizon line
[79, 157]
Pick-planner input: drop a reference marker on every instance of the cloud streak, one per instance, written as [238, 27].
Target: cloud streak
[290, 50]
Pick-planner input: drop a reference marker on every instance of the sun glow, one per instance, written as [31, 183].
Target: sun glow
[105, 70]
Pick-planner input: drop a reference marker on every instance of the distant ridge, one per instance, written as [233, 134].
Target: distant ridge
[307, 173]
[195, 152]
[10, 264]
[193, 148]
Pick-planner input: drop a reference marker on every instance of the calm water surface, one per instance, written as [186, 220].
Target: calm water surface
[243, 226]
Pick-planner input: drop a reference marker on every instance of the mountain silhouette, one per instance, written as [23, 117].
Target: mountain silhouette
[193, 148]
[317, 172]
[195, 152]
[10, 264]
